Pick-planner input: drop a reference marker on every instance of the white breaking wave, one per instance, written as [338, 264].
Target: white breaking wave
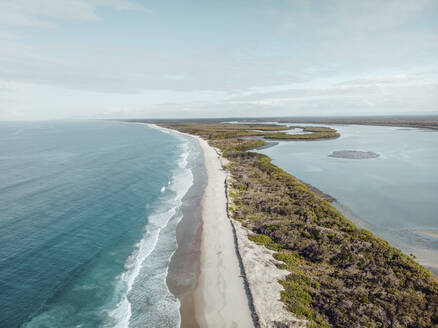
[182, 180]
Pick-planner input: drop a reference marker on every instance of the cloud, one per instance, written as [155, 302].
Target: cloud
[355, 35]
[42, 12]
[281, 57]
[327, 40]
[349, 17]
[374, 95]
[125, 71]
[119, 4]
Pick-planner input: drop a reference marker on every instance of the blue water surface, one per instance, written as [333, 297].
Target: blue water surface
[75, 198]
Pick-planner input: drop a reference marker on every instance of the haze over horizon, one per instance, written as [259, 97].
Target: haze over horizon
[62, 59]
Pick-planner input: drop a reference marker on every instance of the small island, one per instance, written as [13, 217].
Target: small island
[354, 154]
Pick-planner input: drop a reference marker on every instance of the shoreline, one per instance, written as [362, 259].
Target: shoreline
[207, 259]
[185, 266]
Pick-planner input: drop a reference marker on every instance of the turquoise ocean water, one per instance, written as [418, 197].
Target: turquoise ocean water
[87, 226]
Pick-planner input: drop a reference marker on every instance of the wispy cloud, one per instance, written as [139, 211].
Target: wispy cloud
[42, 12]
[126, 57]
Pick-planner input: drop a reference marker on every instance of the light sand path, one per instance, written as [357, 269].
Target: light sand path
[220, 296]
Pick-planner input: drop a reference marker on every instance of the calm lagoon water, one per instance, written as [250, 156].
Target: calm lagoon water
[87, 226]
[394, 195]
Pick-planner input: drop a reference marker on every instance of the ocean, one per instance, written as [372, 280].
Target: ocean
[89, 211]
[393, 195]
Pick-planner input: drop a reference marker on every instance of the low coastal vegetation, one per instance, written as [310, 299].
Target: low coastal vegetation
[340, 275]
[313, 133]
[427, 122]
[267, 131]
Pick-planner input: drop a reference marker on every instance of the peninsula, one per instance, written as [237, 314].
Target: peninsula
[338, 275]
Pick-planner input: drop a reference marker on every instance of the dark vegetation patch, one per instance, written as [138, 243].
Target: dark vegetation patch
[317, 132]
[340, 275]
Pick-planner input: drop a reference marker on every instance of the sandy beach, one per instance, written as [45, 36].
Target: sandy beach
[214, 294]
[220, 297]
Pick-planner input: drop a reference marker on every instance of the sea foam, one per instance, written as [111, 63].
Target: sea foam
[170, 200]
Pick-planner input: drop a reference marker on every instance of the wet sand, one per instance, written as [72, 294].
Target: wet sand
[184, 268]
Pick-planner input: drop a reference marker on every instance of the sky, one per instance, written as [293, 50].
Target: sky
[64, 59]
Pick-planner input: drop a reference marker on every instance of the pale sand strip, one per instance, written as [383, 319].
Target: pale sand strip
[221, 300]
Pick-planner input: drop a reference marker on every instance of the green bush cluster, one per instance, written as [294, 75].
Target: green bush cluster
[265, 241]
[340, 275]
